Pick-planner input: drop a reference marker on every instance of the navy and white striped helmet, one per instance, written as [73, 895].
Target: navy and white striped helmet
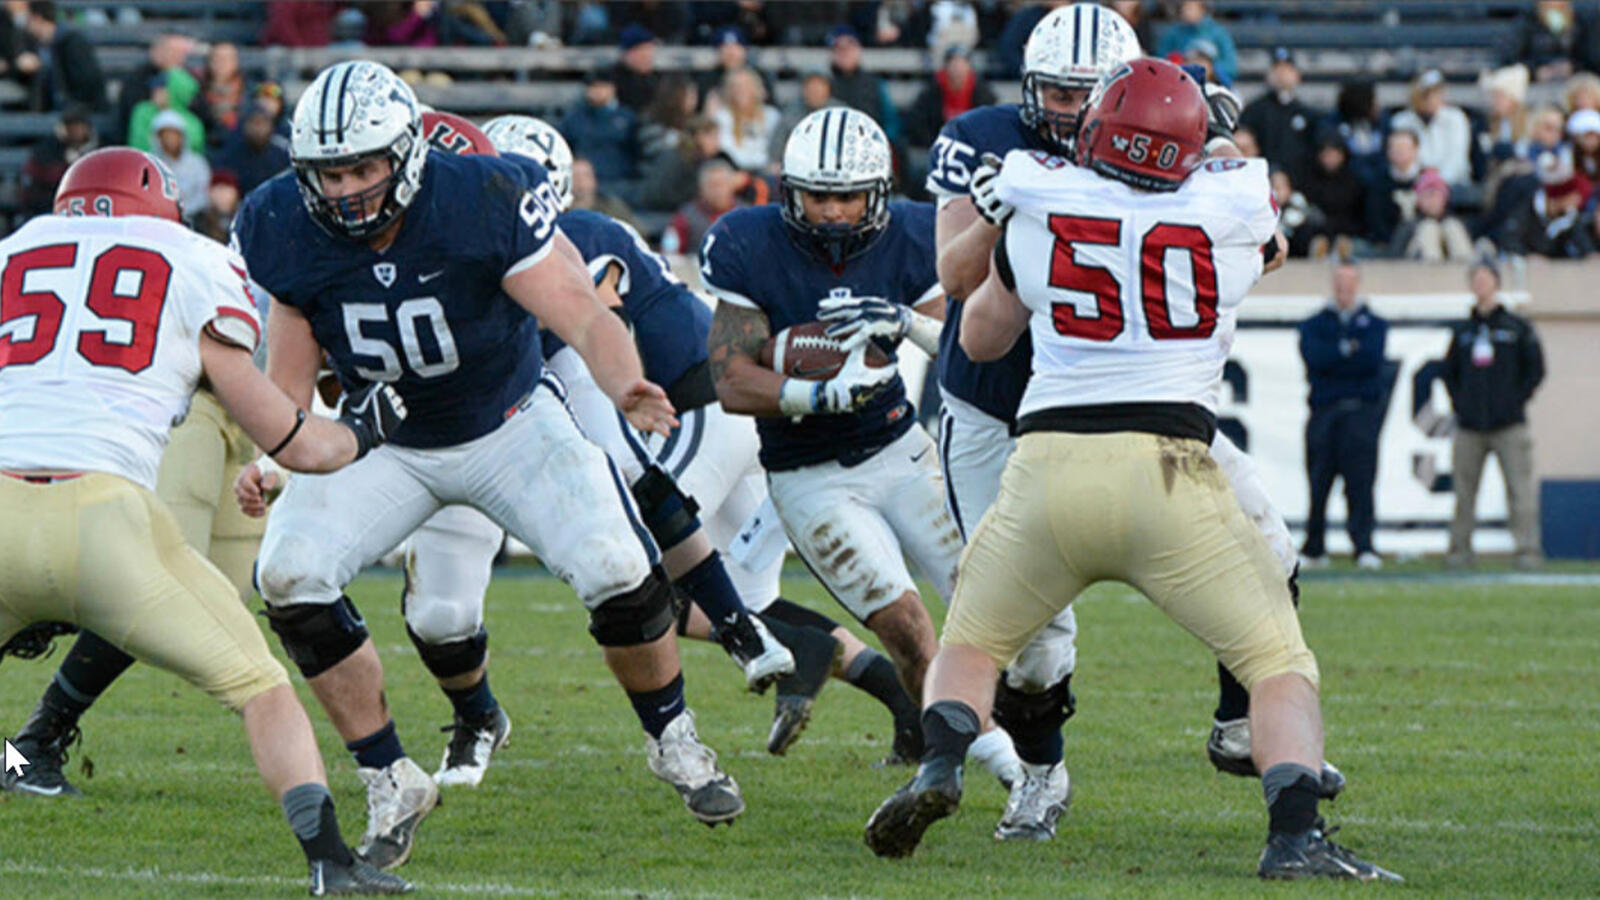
[540, 142]
[354, 111]
[1073, 47]
[837, 150]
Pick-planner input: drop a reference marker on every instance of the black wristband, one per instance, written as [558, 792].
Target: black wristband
[299, 421]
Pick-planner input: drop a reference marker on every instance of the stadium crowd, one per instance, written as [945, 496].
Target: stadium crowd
[1431, 180]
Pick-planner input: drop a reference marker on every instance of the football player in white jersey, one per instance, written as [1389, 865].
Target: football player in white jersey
[115, 313]
[1127, 271]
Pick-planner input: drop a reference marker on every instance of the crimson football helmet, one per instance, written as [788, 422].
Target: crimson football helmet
[118, 181]
[453, 134]
[1144, 125]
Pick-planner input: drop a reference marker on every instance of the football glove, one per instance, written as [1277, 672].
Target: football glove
[373, 413]
[985, 194]
[856, 320]
[855, 385]
[1223, 105]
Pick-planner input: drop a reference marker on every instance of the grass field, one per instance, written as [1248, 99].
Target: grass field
[1466, 713]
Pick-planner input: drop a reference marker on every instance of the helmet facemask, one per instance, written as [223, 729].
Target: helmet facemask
[835, 243]
[348, 216]
[1059, 130]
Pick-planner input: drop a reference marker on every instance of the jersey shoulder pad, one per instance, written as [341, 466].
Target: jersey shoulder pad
[271, 232]
[1239, 188]
[725, 252]
[1031, 178]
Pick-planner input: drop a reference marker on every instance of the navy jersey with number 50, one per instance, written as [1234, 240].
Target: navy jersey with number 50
[749, 259]
[428, 313]
[994, 387]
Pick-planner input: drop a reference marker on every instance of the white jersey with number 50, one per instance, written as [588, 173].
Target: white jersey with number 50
[100, 322]
[1133, 293]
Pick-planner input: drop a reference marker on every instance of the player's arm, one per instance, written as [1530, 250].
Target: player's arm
[559, 291]
[963, 241]
[293, 355]
[744, 385]
[993, 317]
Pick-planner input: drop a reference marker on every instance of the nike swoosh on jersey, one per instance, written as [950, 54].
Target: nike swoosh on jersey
[424, 279]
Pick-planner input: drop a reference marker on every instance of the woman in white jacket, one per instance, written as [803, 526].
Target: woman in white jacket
[1444, 131]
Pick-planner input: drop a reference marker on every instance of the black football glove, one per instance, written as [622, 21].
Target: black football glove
[1223, 106]
[373, 413]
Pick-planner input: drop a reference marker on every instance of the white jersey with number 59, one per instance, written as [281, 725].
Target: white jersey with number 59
[100, 322]
[1133, 293]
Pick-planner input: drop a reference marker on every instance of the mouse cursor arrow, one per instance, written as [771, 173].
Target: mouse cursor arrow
[14, 759]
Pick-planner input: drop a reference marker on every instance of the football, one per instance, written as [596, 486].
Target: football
[806, 352]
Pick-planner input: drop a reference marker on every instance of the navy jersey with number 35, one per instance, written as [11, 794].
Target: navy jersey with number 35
[749, 259]
[427, 314]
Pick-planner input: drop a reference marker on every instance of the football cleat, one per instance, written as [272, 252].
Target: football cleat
[815, 653]
[1228, 748]
[896, 828]
[681, 760]
[753, 647]
[907, 747]
[398, 797]
[471, 745]
[1036, 803]
[1310, 854]
[43, 742]
[331, 879]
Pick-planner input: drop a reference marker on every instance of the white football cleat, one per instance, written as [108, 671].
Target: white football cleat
[1036, 803]
[398, 797]
[681, 760]
[753, 647]
[471, 745]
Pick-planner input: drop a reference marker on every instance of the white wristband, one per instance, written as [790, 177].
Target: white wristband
[797, 397]
[924, 333]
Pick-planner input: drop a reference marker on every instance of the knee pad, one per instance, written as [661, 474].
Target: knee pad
[667, 511]
[318, 636]
[1021, 713]
[35, 640]
[635, 617]
[451, 658]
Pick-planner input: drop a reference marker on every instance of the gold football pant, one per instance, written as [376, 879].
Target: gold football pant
[104, 554]
[1151, 511]
[203, 457]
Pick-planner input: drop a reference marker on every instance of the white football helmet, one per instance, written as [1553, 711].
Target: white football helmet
[837, 150]
[1073, 47]
[539, 141]
[355, 111]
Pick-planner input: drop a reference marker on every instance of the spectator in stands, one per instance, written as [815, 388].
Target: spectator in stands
[746, 122]
[1343, 349]
[1297, 218]
[1582, 91]
[390, 24]
[1195, 23]
[1552, 223]
[1202, 53]
[269, 95]
[69, 71]
[1546, 134]
[1284, 124]
[669, 177]
[1506, 91]
[586, 193]
[816, 91]
[1135, 11]
[18, 61]
[1554, 43]
[1245, 140]
[222, 93]
[1444, 133]
[1584, 128]
[750, 18]
[603, 130]
[172, 91]
[222, 202]
[255, 152]
[635, 73]
[1006, 63]
[48, 160]
[733, 54]
[718, 193]
[1491, 370]
[166, 53]
[666, 119]
[857, 87]
[1391, 197]
[949, 24]
[951, 91]
[668, 19]
[1357, 120]
[174, 147]
[1335, 189]
[1433, 235]
[299, 23]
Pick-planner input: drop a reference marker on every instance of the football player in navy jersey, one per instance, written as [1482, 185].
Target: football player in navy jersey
[853, 478]
[433, 272]
[1068, 52]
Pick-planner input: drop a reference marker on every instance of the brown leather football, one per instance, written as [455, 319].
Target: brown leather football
[806, 352]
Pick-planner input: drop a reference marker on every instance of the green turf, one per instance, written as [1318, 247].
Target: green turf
[1464, 713]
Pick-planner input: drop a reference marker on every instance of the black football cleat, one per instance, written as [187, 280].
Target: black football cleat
[331, 879]
[43, 742]
[815, 652]
[896, 828]
[1310, 854]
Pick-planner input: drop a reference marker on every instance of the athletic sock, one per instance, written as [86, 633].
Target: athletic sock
[1292, 791]
[949, 728]
[1233, 701]
[378, 750]
[89, 668]
[872, 672]
[474, 703]
[309, 808]
[656, 709]
[994, 749]
[709, 586]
